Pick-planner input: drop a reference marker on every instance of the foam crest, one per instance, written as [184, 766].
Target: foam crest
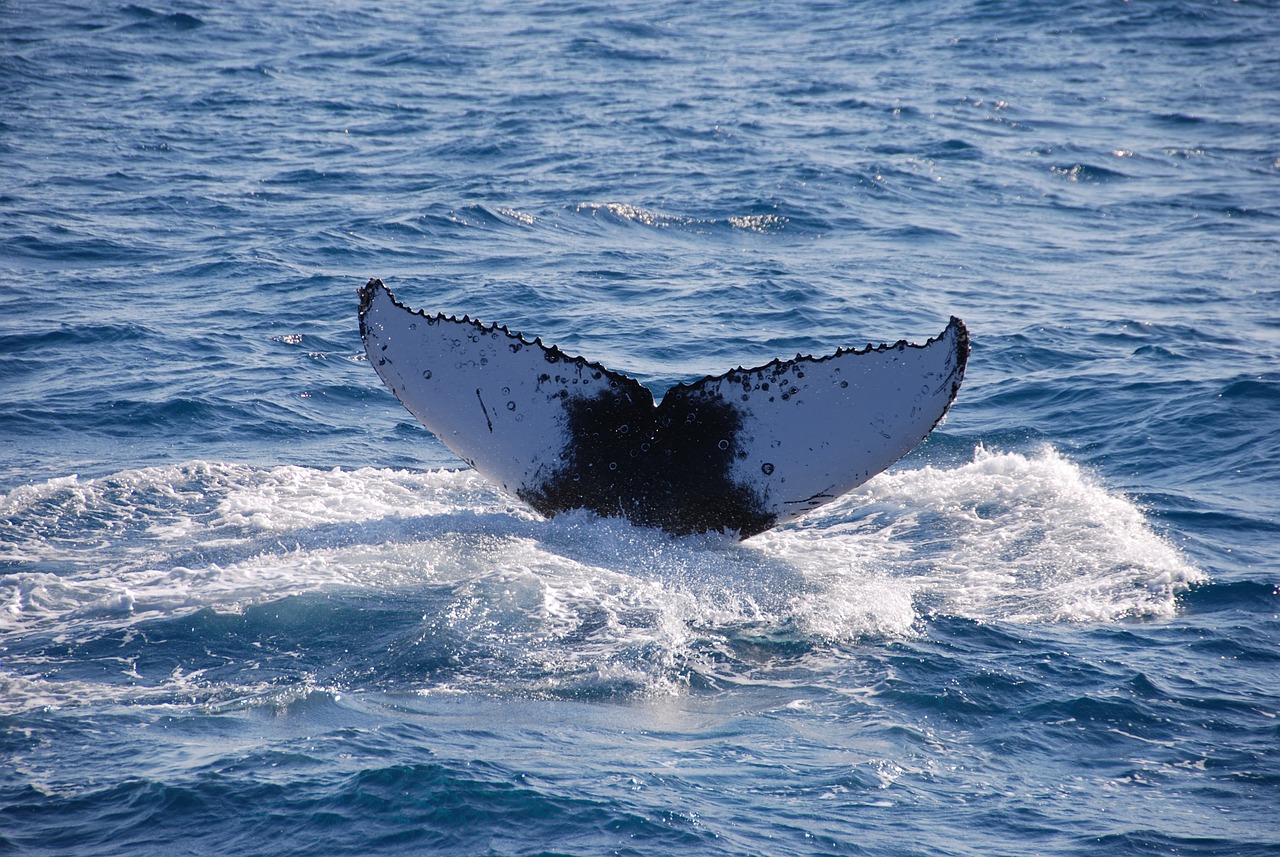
[647, 217]
[1024, 538]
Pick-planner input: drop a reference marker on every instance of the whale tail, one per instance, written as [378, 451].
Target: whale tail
[741, 452]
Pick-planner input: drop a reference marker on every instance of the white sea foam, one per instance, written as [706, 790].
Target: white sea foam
[1006, 537]
[1022, 538]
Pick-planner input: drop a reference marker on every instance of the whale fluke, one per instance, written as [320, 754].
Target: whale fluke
[739, 452]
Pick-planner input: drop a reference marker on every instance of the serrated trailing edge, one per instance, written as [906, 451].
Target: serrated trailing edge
[369, 289]
[739, 452]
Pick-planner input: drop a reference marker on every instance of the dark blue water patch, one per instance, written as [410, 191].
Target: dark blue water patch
[166, 422]
[1086, 173]
[1261, 391]
[1160, 354]
[70, 247]
[312, 179]
[640, 29]
[1037, 409]
[1184, 121]
[280, 804]
[955, 150]
[1223, 420]
[924, 236]
[598, 49]
[1227, 535]
[1105, 723]
[926, 678]
[488, 807]
[428, 53]
[282, 644]
[258, 70]
[1058, 689]
[149, 18]
[1154, 842]
[73, 335]
[1256, 649]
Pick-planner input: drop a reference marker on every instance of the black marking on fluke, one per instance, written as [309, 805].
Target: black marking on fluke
[714, 455]
[662, 467]
[487, 421]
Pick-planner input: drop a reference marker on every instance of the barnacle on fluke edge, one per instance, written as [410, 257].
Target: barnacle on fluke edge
[741, 452]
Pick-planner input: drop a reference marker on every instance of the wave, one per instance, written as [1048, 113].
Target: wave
[468, 590]
[764, 221]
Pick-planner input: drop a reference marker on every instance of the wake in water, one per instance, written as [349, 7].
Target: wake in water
[432, 581]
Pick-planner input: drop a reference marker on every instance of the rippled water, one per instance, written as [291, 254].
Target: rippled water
[248, 606]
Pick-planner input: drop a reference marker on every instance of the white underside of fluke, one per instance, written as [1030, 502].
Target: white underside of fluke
[742, 451]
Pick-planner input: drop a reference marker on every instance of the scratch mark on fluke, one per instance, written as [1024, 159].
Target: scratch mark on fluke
[487, 421]
[738, 452]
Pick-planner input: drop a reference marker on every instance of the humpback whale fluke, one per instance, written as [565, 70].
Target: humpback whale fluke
[742, 452]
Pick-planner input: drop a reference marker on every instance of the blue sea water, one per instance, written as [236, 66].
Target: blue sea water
[248, 606]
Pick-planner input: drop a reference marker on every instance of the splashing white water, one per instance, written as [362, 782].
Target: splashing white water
[1005, 537]
[578, 599]
[1016, 538]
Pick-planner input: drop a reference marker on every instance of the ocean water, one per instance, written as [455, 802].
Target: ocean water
[248, 606]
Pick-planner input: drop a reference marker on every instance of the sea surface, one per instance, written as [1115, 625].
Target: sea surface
[249, 607]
